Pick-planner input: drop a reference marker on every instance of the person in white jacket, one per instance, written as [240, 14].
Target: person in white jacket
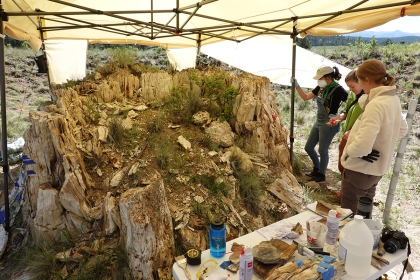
[370, 147]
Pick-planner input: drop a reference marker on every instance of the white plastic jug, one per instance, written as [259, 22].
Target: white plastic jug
[357, 239]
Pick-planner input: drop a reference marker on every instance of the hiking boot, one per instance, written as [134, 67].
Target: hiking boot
[318, 177]
[313, 173]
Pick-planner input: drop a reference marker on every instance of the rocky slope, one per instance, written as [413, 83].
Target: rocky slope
[143, 161]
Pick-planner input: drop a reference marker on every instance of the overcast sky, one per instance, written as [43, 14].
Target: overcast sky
[405, 24]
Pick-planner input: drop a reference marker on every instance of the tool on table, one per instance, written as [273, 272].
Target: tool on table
[326, 270]
[205, 268]
[324, 267]
[182, 263]
[310, 252]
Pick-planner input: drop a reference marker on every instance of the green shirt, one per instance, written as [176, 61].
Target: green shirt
[353, 112]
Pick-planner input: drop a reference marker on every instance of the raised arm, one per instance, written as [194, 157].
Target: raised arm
[303, 95]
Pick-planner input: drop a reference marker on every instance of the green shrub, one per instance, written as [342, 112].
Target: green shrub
[211, 183]
[156, 125]
[227, 101]
[92, 111]
[163, 151]
[124, 56]
[300, 118]
[41, 261]
[116, 131]
[108, 68]
[207, 142]
[298, 164]
[249, 186]
[194, 77]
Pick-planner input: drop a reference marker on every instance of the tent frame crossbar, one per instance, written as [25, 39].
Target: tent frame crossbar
[99, 12]
[178, 29]
[101, 27]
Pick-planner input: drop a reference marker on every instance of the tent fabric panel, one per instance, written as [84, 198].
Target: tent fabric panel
[182, 58]
[271, 56]
[18, 34]
[355, 22]
[66, 60]
[30, 23]
[242, 11]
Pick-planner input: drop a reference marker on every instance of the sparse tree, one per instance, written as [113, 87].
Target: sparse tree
[304, 43]
[388, 42]
[373, 45]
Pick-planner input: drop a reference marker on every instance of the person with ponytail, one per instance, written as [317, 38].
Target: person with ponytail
[348, 117]
[329, 95]
[370, 146]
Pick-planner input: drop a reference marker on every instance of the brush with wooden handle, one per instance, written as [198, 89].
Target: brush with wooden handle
[182, 263]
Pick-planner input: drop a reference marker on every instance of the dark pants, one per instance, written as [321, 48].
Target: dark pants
[355, 185]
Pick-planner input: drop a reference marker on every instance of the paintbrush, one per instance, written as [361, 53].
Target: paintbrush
[182, 263]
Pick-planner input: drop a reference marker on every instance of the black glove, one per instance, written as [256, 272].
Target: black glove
[373, 156]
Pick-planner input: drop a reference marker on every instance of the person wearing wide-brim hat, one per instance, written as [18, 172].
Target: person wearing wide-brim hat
[329, 95]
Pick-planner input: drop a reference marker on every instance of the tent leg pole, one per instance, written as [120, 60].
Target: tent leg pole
[398, 160]
[197, 60]
[44, 54]
[292, 98]
[4, 124]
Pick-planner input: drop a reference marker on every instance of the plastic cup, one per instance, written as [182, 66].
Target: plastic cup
[376, 229]
[316, 235]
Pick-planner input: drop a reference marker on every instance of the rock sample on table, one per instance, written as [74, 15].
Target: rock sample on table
[269, 255]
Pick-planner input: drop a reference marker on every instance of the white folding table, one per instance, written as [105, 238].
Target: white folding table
[254, 238]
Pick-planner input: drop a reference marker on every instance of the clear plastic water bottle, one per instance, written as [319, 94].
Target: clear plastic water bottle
[332, 225]
[331, 245]
[217, 238]
[246, 264]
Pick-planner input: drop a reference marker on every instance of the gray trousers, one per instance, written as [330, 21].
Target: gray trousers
[355, 185]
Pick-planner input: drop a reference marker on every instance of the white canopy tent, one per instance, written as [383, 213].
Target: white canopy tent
[180, 23]
[190, 24]
[271, 56]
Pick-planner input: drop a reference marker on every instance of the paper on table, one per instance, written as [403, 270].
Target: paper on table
[281, 230]
[312, 207]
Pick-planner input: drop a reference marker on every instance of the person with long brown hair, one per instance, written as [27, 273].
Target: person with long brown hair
[351, 112]
[370, 146]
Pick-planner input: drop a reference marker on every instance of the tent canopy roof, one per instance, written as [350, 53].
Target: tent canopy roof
[181, 23]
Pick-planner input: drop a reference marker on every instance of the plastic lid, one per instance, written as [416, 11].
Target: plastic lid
[217, 222]
[365, 201]
[248, 251]
[358, 217]
[332, 214]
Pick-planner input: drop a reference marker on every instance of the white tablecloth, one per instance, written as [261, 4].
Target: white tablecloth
[254, 238]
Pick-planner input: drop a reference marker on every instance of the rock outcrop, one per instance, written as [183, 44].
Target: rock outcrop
[81, 182]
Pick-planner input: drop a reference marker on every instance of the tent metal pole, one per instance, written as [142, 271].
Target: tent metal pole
[177, 16]
[292, 98]
[398, 160]
[4, 124]
[198, 50]
[151, 19]
[41, 35]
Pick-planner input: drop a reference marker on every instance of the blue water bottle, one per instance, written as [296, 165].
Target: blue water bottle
[217, 238]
